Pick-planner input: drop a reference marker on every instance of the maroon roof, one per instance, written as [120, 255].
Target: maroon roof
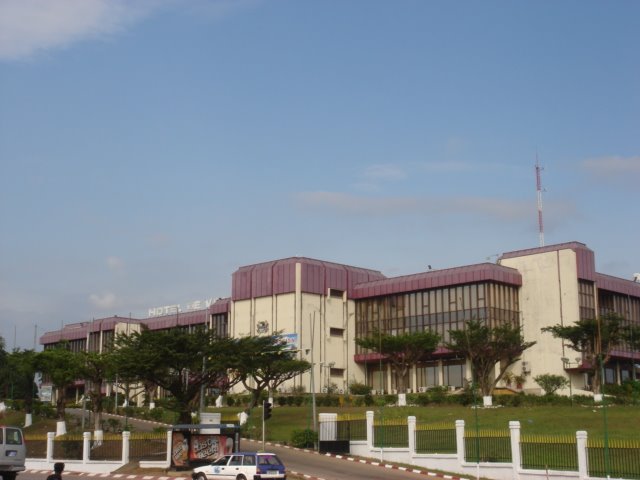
[180, 319]
[440, 278]
[585, 257]
[278, 276]
[75, 331]
[617, 285]
[221, 305]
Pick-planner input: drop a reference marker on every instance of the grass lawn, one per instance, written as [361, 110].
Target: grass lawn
[623, 422]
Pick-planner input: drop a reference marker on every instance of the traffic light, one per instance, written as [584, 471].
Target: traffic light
[266, 410]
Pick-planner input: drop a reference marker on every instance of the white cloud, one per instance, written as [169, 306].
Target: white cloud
[103, 301]
[384, 172]
[115, 264]
[31, 26]
[505, 210]
[448, 167]
[613, 167]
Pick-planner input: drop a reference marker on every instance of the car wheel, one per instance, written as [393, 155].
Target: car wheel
[241, 477]
[9, 475]
[201, 476]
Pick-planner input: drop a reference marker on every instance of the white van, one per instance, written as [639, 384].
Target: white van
[12, 452]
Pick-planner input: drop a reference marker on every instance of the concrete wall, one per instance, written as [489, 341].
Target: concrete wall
[548, 296]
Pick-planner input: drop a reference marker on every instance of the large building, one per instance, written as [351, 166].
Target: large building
[322, 307]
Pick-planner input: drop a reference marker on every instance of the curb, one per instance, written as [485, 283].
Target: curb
[123, 476]
[389, 466]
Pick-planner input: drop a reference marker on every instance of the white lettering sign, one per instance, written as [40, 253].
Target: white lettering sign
[177, 308]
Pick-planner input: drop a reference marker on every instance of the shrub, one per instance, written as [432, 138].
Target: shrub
[550, 383]
[357, 388]
[156, 414]
[304, 438]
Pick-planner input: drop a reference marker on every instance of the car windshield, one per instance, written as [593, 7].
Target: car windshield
[269, 460]
[221, 460]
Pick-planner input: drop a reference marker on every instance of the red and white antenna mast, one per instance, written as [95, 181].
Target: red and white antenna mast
[539, 189]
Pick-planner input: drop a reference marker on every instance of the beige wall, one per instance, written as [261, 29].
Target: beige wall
[548, 296]
[297, 313]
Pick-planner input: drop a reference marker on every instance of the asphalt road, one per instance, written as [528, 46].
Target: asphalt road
[306, 463]
[329, 468]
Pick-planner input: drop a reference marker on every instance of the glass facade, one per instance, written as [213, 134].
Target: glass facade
[437, 310]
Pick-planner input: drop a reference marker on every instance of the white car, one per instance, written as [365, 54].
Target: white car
[242, 466]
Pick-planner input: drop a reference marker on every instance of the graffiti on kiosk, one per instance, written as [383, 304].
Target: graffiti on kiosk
[210, 447]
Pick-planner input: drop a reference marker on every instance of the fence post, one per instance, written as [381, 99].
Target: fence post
[328, 427]
[516, 461]
[369, 430]
[50, 437]
[169, 445]
[125, 446]
[460, 441]
[411, 425]
[86, 438]
[583, 460]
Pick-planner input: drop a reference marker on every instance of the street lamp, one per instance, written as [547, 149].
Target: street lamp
[565, 362]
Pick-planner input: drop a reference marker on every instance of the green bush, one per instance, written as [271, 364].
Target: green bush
[357, 388]
[304, 438]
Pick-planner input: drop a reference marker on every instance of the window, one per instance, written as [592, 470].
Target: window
[335, 293]
[249, 460]
[336, 332]
[236, 460]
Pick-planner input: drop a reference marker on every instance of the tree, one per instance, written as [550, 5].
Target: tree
[594, 339]
[485, 347]
[402, 351]
[95, 369]
[4, 370]
[264, 363]
[62, 367]
[551, 383]
[179, 361]
[22, 365]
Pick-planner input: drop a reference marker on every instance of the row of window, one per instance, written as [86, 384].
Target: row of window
[450, 373]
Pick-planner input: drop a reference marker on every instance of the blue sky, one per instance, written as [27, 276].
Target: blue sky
[150, 148]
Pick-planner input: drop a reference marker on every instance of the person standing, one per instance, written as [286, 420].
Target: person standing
[58, 468]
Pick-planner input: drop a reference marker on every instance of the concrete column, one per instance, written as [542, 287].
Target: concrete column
[86, 447]
[125, 446]
[460, 441]
[411, 425]
[328, 427]
[369, 430]
[50, 437]
[583, 464]
[514, 430]
[169, 444]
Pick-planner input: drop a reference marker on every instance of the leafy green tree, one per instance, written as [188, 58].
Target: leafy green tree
[485, 347]
[594, 339]
[264, 363]
[62, 367]
[95, 369]
[22, 365]
[551, 383]
[179, 361]
[5, 381]
[402, 351]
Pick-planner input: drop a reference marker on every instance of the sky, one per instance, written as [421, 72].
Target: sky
[150, 148]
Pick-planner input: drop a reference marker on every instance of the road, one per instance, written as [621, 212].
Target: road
[306, 463]
[329, 468]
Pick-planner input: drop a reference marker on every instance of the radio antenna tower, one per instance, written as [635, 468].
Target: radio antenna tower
[539, 189]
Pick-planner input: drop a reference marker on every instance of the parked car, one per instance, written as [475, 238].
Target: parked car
[242, 466]
[12, 452]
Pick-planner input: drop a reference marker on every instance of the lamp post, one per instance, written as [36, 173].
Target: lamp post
[604, 416]
[313, 383]
[565, 362]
